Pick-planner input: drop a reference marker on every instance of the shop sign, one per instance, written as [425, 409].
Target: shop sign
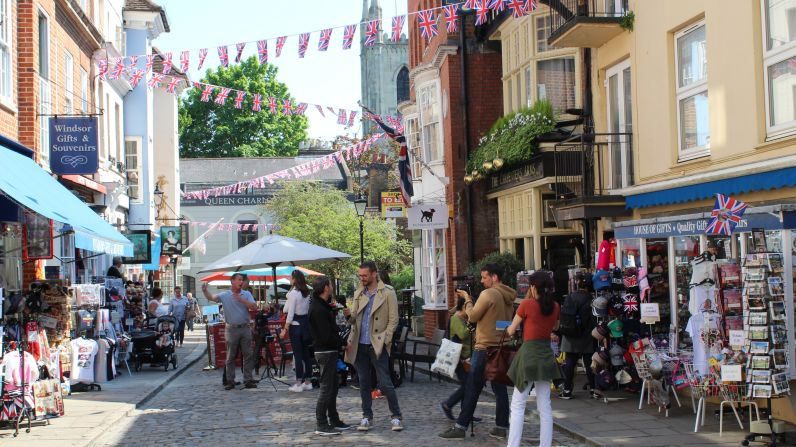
[392, 205]
[243, 200]
[768, 221]
[73, 145]
[522, 174]
[428, 216]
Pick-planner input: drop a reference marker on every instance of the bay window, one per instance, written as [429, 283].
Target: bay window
[429, 106]
[434, 284]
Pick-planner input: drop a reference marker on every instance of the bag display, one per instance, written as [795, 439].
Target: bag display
[498, 360]
[447, 358]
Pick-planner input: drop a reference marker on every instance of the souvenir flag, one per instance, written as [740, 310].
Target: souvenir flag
[517, 8]
[287, 107]
[348, 36]
[272, 104]
[725, 216]
[351, 118]
[239, 99]
[166, 63]
[202, 56]
[103, 69]
[155, 80]
[372, 32]
[320, 110]
[208, 90]
[323, 42]
[482, 15]
[471, 4]
[427, 23]
[262, 51]
[451, 18]
[342, 117]
[150, 60]
[185, 63]
[118, 69]
[257, 102]
[397, 27]
[239, 47]
[497, 5]
[173, 83]
[280, 43]
[530, 5]
[304, 41]
[223, 56]
[136, 77]
[404, 166]
[301, 108]
[630, 303]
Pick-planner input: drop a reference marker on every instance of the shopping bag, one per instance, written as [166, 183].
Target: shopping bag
[679, 379]
[447, 358]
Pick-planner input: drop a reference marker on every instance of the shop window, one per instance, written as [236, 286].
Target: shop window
[620, 121]
[658, 275]
[630, 253]
[779, 57]
[686, 248]
[692, 92]
[248, 233]
[434, 284]
[555, 81]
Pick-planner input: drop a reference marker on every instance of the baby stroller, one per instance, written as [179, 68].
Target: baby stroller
[155, 346]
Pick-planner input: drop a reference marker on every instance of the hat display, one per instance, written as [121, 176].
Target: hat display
[616, 306]
[617, 355]
[600, 332]
[601, 279]
[616, 327]
[600, 358]
[599, 306]
[623, 377]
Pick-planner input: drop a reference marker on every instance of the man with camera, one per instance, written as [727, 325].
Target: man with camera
[495, 303]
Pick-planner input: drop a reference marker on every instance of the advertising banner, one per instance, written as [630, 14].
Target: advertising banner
[392, 205]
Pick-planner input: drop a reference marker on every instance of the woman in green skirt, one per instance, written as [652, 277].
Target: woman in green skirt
[534, 365]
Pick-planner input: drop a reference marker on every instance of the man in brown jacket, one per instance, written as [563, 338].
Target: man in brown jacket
[495, 303]
[374, 317]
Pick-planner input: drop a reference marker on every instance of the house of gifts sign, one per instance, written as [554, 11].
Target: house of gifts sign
[73, 145]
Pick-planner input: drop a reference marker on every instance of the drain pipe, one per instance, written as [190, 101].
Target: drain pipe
[468, 189]
[589, 224]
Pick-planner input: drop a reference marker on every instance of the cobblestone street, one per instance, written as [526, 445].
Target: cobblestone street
[195, 410]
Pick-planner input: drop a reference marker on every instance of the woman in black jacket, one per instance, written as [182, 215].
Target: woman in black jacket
[581, 347]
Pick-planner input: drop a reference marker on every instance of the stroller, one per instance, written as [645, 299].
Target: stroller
[155, 346]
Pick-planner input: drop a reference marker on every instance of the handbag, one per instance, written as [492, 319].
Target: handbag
[447, 358]
[498, 360]
[679, 379]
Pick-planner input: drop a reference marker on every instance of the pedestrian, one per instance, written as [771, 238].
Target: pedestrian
[581, 346]
[535, 364]
[373, 319]
[115, 270]
[495, 303]
[178, 308]
[327, 342]
[156, 308]
[237, 334]
[192, 312]
[459, 333]
[297, 328]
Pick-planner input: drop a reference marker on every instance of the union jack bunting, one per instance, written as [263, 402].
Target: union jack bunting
[351, 118]
[118, 69]
[166, 63]
[725, 216]
[272, 104]
[103, 69]
[257, 102]
[150, 60]
[221, 97]
[239, 47]
[300, 108]
[323, 42]
[262, 51]
[185, 58]
[173, 84]
[530, 5]
[342, 117]
[133, 61]
[280, 43]
[239, 99]
[304, 41]
[320, 110]
[397, 27]
[517, 8]
[287, 107]
[348, 36]
[371, 32]
[223, 56]
[472, 4]
[155, 80]
[482, 15]
[497, 5]
[208, 90]
[331, 109]
[451, 18]
[427, 23]
[202, 56]
[136, 77]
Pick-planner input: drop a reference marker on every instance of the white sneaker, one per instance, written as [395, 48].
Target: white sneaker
[396, 424]
[296, 388]
[307, 386]
[364, 425]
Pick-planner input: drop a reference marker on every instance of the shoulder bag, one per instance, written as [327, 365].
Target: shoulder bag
[498, 360]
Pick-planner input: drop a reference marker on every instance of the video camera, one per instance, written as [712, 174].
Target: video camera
[466, 283]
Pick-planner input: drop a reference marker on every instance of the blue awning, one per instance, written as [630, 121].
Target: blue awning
[30, 185]
[780, 178]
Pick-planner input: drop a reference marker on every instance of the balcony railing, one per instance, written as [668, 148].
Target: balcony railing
[591, 166]
[585, 23]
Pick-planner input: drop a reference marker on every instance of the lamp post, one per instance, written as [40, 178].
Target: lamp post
[360, 204]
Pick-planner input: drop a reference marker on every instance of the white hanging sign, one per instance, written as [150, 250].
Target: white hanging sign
[427, 216]
[731, 373]
[650, 313]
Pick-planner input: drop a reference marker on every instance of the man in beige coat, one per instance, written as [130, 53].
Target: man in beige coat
[374, 317]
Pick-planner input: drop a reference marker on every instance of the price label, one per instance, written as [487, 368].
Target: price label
[650, 313]
[731, 373]
[737, 338]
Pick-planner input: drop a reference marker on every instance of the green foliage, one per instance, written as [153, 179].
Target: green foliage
[405, 279]
[507, 262]
[211, 130]
[628, 20]
[513, 136]
[315, 213]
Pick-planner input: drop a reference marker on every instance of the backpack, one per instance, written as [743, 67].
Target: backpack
[571, 322]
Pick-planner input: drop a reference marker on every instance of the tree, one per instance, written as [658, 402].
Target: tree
[212, 130]
[315, 213]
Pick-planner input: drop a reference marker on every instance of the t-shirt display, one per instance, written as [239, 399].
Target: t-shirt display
[84, 352]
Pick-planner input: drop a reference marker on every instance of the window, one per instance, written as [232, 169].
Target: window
[44, 47]
[132, 160]
[518, 97]
[413, 145]
[83, 91]
[692, 92]
[542, 31]
[402, 85]
[528, 87]
[6, 36]
[429, 122]
[555, 81]
[248, 232]
[119, 136]
[620, 121]
[780, 65]
[509, 95]
[435, 288]
[45, 98]
[69, 81]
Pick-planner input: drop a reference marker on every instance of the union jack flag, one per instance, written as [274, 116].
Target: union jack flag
[272, 104]
[351, 118]
[280, 43]
[133, 61]
[472, 4]
[239, 99]
[348, 36]
[404, 165]
[517, 8]
[427, 23]
[342, 117]
[257, 102]
[118, 68]
[136, 77]
[287, 107]
[323, 42]
[262, 51]
[155, 80]
[530, 5]
[320, 110]
[239, 47]
[482, 15]
[300, 108]
[372, 32]
[202, 56]
[173, 84]
[304, 41]
[451, 17]
[331, 110]
[185, 61]
[630, 303]
[221, 97]
[103, 69]
[150, 60]
[208, 90]
[725, 216]
[397, 27]
[166, 63]
[497, 5]
[223, 56]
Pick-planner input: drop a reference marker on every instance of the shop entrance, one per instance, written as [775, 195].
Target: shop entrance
[558, 254]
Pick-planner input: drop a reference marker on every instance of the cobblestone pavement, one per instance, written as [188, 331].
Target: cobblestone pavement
[195, 410]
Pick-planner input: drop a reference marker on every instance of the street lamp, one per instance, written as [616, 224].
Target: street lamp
[360, 204]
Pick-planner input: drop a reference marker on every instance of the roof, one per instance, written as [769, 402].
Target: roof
[233, 169]
[157, 64]
[147, 6]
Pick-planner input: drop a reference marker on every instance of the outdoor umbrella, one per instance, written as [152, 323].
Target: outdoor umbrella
[282, 272]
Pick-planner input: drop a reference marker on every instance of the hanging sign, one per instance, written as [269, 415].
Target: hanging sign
[73, 145]
[428, 216]
[392, 205]
[650, 313]
[731, 373]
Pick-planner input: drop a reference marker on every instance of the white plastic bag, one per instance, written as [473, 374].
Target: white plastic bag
[447, 358]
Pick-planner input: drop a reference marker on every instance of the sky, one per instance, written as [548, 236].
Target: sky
[330, 78]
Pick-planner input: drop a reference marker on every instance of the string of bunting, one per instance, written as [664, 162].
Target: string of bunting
[303, 170]
[233, 227]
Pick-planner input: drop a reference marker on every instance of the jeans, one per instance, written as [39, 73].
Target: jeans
[327, 399]
[239, 338]
[518, 401]
[366, 357]
[189, 323]
[180, 331]
[301, 355]
[457, 395]
[569, 370]
[472, 390]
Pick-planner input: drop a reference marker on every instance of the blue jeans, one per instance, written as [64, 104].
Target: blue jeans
[457, 395]
[472, 390]
[301, 355]
[365, 358]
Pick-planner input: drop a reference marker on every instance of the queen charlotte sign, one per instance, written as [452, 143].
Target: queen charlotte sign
[73, 145]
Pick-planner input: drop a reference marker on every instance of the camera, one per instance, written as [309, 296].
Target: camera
[466, 283]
